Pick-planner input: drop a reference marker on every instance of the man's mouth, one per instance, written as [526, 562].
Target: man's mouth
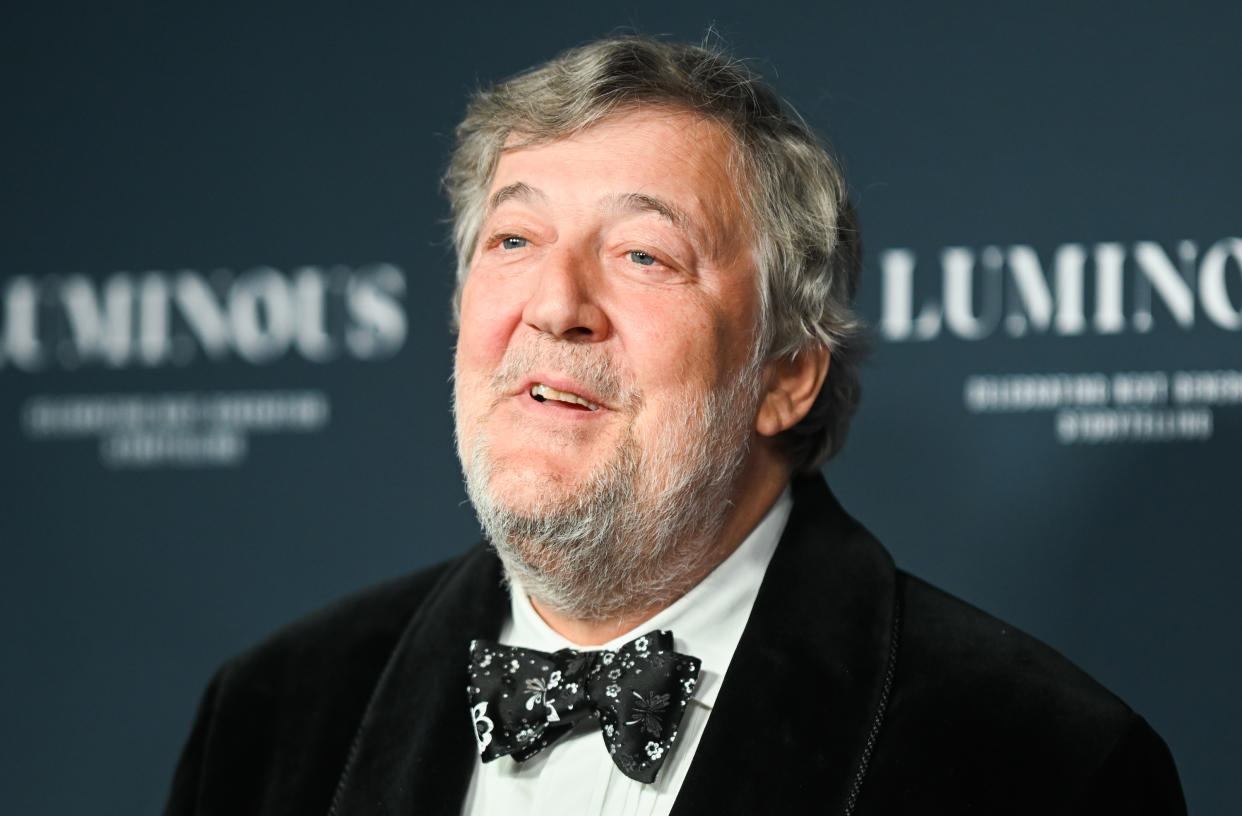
[542, 393]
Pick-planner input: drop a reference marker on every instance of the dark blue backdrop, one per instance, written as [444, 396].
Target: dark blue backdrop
[224, 343]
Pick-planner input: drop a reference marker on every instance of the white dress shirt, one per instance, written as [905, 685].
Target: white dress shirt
[576, 775]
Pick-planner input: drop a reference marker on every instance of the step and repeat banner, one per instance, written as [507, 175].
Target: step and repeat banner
[225, 340]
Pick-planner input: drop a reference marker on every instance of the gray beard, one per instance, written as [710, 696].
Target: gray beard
[634, 534]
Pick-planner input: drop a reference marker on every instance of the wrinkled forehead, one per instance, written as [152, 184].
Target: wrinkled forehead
[694, 158]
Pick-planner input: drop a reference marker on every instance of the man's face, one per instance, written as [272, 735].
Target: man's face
[611, 302]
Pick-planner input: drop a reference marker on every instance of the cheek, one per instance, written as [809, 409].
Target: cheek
[668, 364]
[684, 346]
[488, 319]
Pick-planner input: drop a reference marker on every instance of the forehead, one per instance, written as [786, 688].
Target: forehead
[681, 165]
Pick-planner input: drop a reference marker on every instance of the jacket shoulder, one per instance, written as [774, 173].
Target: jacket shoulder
[275, 725]
[948, 645]
[978, 705]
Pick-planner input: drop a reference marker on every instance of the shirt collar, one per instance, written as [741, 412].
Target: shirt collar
[706, 622]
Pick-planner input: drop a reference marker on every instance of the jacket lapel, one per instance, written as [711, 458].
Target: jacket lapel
[793, 716]
[414, 753]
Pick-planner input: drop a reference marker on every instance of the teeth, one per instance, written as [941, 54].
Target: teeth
[542, 392]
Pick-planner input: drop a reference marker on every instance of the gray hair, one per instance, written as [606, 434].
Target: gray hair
[808, 248]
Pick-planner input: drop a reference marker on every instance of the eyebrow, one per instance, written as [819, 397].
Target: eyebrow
[624, 202]
[709, 240]
[518, 191]
[641, 202]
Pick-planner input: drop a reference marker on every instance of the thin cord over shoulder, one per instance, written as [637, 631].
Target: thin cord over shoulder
[881, 709]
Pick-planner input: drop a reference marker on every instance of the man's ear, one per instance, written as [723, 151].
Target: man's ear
[790, 387]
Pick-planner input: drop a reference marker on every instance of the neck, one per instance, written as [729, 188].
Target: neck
[758, 488]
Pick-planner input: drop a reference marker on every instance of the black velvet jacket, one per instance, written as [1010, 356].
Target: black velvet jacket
[856, 688]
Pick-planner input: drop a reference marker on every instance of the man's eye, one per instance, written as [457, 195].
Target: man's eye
[642, 258]
[512, 242]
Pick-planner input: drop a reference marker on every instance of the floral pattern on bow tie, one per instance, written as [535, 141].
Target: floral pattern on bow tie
[522, 700]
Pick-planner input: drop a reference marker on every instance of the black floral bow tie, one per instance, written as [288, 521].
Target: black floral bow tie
[522, 701]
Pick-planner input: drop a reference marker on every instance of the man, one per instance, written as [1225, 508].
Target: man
[656, 353]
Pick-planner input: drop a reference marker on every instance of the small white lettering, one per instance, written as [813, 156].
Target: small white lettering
[175, 429]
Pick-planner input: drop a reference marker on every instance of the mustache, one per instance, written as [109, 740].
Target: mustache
[585, 363]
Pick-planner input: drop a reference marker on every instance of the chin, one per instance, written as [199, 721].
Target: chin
[534, 473]
[528, 491]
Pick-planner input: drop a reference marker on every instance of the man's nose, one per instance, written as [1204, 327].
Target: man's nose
[563, 302]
